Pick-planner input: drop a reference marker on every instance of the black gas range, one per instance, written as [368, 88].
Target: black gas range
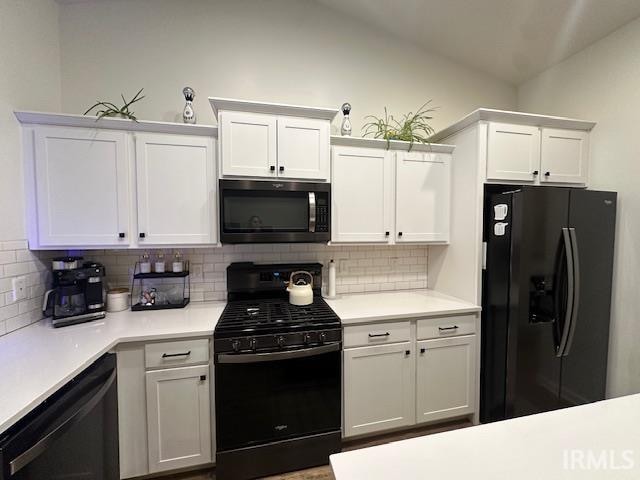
[278, 375]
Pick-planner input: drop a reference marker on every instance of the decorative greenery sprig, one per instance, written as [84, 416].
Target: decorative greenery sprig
[111, 110]
[412, 127]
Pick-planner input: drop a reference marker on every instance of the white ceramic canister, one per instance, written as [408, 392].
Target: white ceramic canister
[117, 299]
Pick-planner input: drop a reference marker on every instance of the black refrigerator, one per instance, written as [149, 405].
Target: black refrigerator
[546, 298]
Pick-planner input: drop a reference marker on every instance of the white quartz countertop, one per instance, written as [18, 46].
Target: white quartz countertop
[594, 441]
[382, 306]
[37, 360]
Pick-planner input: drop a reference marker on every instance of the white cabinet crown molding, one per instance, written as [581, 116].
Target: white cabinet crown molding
[392, 144]
[505, 116]
[88, 121]
[232, 104]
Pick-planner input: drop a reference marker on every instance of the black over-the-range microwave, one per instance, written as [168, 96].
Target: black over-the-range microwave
[253, 211]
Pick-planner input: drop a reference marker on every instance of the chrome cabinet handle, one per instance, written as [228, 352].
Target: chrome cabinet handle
[312, 211]
[375, 335]
[445, 329]
[169, 355]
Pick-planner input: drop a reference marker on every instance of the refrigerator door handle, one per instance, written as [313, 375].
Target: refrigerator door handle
[568, 251]
[575, 301]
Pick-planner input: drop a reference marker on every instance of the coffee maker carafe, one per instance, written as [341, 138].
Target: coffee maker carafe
[77, 295]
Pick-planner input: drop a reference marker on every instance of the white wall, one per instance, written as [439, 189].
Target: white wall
[293, 51]
[602, 83]
[29, 80]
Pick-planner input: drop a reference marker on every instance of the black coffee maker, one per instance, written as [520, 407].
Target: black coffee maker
[78, 293]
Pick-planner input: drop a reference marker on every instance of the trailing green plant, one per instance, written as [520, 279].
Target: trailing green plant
[111, 110]
[412, 127]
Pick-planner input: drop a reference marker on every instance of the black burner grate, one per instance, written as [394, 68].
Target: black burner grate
[270, 316]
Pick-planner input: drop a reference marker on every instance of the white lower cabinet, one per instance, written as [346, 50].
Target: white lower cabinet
[445, 378]
[379, 388]
[402, 383]
[178, 418]
[165, 406]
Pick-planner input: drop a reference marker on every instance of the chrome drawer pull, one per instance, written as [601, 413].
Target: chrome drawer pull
[374, 335]
[169, 355]
[444, 329]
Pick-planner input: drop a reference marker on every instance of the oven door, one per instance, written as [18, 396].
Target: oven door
[268, 397]
[269, 212]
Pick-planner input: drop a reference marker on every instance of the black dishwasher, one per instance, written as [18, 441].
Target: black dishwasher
[71, 435]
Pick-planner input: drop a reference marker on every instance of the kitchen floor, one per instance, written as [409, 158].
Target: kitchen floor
[324, 472]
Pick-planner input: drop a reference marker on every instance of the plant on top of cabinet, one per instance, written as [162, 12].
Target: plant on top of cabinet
[412, 127]
[111, 110]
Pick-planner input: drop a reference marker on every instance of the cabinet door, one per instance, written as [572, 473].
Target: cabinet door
[513, 152]
[362, 195]
[248, 144]
[564, 156]
[81, 187]
[423, 190]
[178, 417]
[379, 388]
[303, 148]
[176, 189]
[445, 378]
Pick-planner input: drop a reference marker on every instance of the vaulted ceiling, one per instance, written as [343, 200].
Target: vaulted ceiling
[510, 39]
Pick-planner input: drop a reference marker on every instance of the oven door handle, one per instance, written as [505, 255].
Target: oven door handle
[45, 442]
[312, 212]
[273, 356]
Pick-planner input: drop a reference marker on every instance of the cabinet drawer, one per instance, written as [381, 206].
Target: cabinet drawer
[446, 326]
[376, 334]
[176, 354]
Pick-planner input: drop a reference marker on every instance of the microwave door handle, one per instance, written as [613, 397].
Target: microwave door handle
[312, 212]
[45, 442]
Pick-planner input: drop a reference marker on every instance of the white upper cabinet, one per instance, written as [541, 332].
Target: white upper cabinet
[248, 144]
[446, 378]
[303, 148]
[513, 152]
[111, 183]
[531, 154]
[175, 189]
[81, 187]
[270, 140]
[527, 148]
[379, 388]
[362, 195]
[423, 190]
[564, 156]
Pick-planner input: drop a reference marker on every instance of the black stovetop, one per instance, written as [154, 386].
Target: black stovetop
[259, 305]
[274, 315]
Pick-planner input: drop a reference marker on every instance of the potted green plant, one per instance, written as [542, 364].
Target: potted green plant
[412, 127]
[109, 109]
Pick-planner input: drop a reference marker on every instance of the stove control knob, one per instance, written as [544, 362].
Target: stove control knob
[306, 338]
[235, 345]
[322, 337]
[252, 344]
[280, 341]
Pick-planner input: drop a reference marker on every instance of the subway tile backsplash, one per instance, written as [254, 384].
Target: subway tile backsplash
[16, 261]
[359, 269]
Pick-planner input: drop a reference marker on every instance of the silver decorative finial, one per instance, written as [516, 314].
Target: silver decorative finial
[345, 129]
[188, 115]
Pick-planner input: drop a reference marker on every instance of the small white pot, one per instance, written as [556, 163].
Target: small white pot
[118, 299]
